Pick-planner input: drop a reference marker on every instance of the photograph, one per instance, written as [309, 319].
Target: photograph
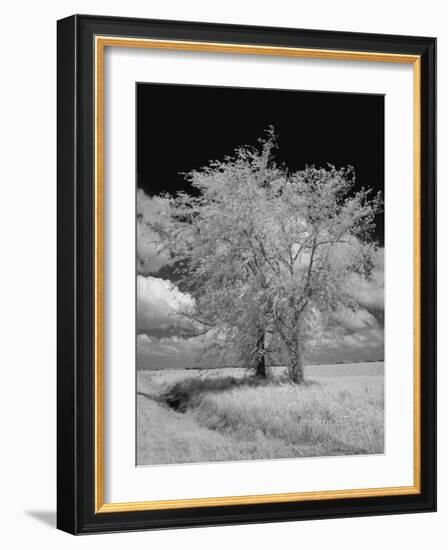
[259, 274]
[246, 264]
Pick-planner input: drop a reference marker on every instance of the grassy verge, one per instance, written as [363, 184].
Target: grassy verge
[217, 417]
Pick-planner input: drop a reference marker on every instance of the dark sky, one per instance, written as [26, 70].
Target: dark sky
[180, 128]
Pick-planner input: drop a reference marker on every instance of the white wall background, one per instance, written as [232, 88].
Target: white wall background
[27, 274]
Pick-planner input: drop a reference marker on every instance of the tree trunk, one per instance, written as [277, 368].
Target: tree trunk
[260, 366]
[295, 367]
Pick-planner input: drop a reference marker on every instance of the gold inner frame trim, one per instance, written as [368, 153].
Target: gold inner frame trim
[101, 42]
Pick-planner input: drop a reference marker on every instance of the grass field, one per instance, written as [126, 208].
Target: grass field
[217, 415]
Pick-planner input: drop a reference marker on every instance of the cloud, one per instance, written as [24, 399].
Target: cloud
[173, 345]
[172, 352]
[144, 339]
[150, 254]
[356, 335]
[370, 291]
[354, 321]
[158, 302]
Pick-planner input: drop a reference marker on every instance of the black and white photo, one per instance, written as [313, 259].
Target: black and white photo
[246, 274]
[259, 274]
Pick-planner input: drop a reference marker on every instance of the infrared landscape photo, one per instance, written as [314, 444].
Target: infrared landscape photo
[259, 274]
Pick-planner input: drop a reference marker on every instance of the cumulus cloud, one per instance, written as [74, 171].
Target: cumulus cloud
[158, 303]
[171, 352]
[150, 255]
[173, 345]
[370, 291]
[354, 321]
[356, 335]
[143, 340]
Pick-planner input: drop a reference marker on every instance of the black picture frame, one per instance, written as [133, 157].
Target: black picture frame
[76, 511]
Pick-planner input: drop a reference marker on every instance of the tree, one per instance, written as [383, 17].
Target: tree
[267, 254]
[318, 238]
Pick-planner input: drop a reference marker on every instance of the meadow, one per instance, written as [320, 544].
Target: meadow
[186, 416]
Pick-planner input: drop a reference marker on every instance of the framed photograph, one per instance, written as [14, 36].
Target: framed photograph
[246, 274]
